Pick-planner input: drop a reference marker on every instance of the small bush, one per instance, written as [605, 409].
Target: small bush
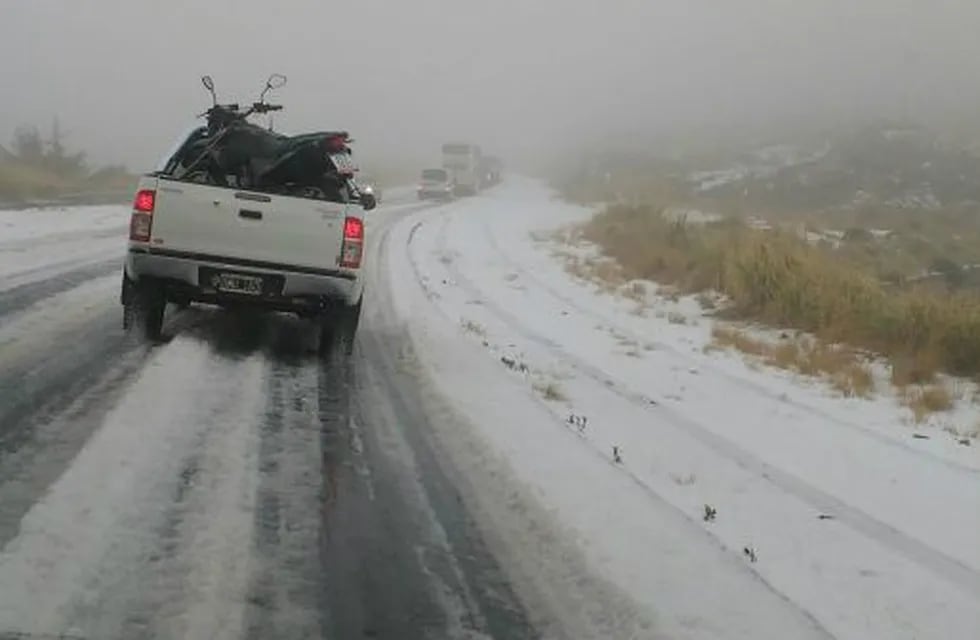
[550, 391]
[915, 368]
[927, 400]
[474, 328]
[842, 367]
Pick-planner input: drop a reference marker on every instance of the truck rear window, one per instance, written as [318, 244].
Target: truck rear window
[322, 180]
[434, 174]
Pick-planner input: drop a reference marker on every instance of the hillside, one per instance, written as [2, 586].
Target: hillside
[899, 167]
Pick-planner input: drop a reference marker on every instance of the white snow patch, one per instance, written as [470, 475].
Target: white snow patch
[37, 244]
[31, 224]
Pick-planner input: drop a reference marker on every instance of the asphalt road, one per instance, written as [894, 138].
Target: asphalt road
[226, 483]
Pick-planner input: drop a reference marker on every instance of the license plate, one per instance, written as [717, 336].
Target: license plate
[237, 283]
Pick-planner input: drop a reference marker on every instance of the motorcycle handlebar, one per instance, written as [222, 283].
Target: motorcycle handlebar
[234, 111]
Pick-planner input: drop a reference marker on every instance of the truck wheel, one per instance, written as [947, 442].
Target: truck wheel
[352, 318]
[126, 294]
[338, 328]
[128, 317]
[144, 310]
[328, 332]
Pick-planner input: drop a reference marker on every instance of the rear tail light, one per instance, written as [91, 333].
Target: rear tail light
[352, 248]
[353, 229]
[145, 201]
[141, 222]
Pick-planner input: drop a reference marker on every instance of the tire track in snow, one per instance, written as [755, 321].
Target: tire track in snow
[284, 589]
[61, 365]
[64, 363]
[48, 427]
[89, 553]
[53, 351]
[934, 561]
[410, 512]
[23, 245]
[601, 614]
[22, 296]
[563, 596]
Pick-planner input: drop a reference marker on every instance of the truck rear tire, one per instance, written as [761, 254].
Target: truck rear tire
[339, 329]
[144, 308]
[328, 333]
[352, 320]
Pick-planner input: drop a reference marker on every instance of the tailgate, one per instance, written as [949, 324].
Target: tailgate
[214, 221]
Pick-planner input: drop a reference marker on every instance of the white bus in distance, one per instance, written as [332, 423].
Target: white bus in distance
[463, 160]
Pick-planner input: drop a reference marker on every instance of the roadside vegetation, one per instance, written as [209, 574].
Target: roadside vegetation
[40, 168]
[866, 271]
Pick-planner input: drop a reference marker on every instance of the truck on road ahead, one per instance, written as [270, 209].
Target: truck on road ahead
[436, 184]
[463, 160]
[238, 216]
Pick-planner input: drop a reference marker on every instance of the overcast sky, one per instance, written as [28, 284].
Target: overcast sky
[513, 75]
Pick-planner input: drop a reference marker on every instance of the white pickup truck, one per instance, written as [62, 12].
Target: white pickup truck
[194, 242]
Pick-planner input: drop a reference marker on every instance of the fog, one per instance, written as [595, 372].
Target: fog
[516, 76]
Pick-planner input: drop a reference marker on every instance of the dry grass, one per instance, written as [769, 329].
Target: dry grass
[841, 367]
[676, 317]
[778, 279]
[684, 480]
[916, 368]
[474, 328]
[603, 272]
[550, 391]
[636, 291]
[673, 294]
[854, 380]
[19, 180]
[723, 337]
[25, 181]
[925, 400]
[706, 301]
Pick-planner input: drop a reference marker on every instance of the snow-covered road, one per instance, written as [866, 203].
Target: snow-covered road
[509, 454]
[224, 484]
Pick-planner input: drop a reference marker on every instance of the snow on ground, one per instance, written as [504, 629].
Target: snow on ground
[29, 224]
[67, 542]
[400, 193]
[728, 502]
[40, 243]
[54, 319]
